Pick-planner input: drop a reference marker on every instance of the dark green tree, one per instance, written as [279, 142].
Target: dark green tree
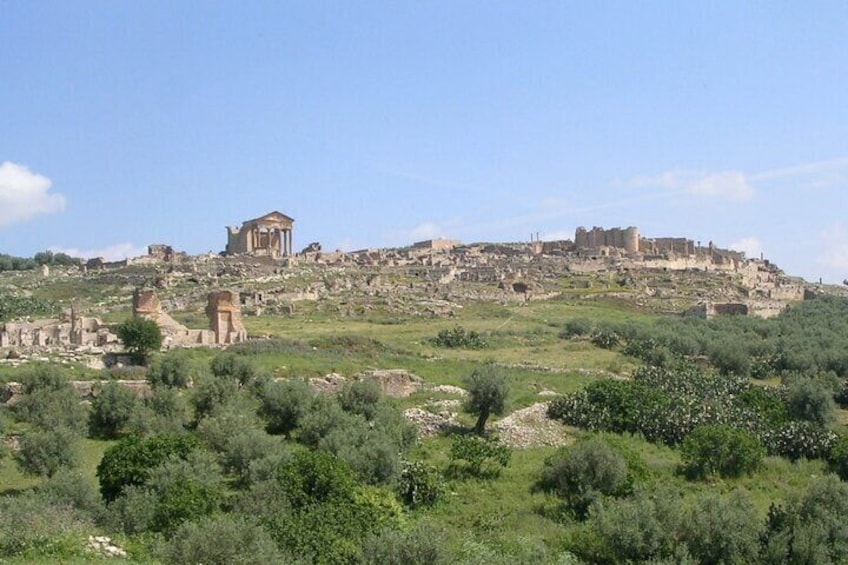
[140, 337]
[487, 393]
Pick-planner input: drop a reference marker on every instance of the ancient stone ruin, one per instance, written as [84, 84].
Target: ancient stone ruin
[269, 235]
[223, 310]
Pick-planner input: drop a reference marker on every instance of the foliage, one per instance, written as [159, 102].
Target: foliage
[585, 472]
[487, 394]
[421, 545]
[210, 393]
[140, 337]
[361, 397]
[222, 540]
[419, 484]
[33, 527]
[112, 410]
[721, 450]
[632, 529]
[329, 514]
[476, 456]
[173, 369]
[665, 404]
[459, 338]
[13, 307]
[606, 339]
[795, 440]
[576, 328]
[130, 461]
[838, 457]
[809, 400]
[176, 491]
[230, 365]
[723, 529]
[69, 487]
[810, 527]
[283, 404]
[49, 401]
[45, 452]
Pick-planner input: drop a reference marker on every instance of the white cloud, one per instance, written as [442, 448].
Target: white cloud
[24, 195]
[427, 230]
[114, 252]
[750, 246]
[835, 240]
[733, 185]
[559, 235]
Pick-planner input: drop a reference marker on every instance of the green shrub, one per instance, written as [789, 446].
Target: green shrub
[361, 397]
[640, 528]
[723, 529]
[585, 472]
[606, 339]
[140, 337]
[479, 457]
[459, 338]
[809, 400]
[222, 540]
[795, 440]
[44, 453]
[112, 411]
[720, 450]
[236, 367]
[283, 404]
[810, 527]
[487, 395]
[130, 461]
[576, 328]
[50, 402]
[419, 484]
[421, 545]
[34, 529]
[173, 369]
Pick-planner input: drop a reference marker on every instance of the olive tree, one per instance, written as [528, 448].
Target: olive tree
[140, 337]
[487, 392]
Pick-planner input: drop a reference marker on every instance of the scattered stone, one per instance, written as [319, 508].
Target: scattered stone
[328, 384]
[450, 389]
[103, 545]
[396, 383]
[429, 424]
[531, 427]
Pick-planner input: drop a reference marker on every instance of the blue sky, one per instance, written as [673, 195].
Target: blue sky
[380, 123]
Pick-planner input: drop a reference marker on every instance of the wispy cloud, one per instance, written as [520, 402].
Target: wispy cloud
[834, 241]
[25, 195]
[114, 252]
[750, 246]
[732, 185]
[827, 167]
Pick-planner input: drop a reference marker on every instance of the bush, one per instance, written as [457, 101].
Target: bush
[140, 337]
[222, 540]
[44, 453]
[475, 456]
[236, 367]
[640, 528]
[211, 393]
[721, 450]
[487, 394]
[112, 410]
[606, 339]
[795, 440]
[576, 328]
[283, 404]
[419, 484]
[421, 545]
[130, 461]
[173, 369]
[809, 400]
[50, 402]
[361, 397]
[585, 472]
[723, 529]
[460, 338]
[810, 528]
[33, 529]
[69, 487]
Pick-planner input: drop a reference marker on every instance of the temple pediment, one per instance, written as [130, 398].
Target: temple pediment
[272, 218]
